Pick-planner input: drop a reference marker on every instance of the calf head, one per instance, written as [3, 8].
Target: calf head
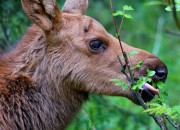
[81, 54]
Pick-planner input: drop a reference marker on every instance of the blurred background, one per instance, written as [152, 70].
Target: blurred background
[152, 29]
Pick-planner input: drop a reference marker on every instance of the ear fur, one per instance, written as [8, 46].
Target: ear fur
[75, 6]
[44, 13]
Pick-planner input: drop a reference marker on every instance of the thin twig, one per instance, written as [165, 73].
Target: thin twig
[175, 14]
[119, 31]
[124, 69]
[129, 69]
[177, 126]
[170, 32]
[164, 121]
[116, 29]
[169, 2]
[155, 117]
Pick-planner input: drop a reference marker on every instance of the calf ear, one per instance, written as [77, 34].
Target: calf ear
[44, 13]
[75, 6]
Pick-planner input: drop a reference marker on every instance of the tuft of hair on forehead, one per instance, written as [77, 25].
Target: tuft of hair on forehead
[75, 6]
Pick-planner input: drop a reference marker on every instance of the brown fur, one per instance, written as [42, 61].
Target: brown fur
[47, 77]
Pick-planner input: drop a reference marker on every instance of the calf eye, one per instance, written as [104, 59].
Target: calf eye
[97, 45]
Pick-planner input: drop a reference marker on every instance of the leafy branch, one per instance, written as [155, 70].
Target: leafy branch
[158, 111]
[123, 14]
[171, 5]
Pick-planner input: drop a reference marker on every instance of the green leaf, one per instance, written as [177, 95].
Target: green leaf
[157, 100]
[150, 73]
[176, 116]
[115, 80]
[150, 3]
[118, 13]
[134, 87]
[120, 83]
[124, 87]
[137, 86]
[126, 7]
[154, 104]
[156, 108]
[138, 65]
[132, 53]
[147, 110]
[128, 16]
[169, 8]
[148, 79]
[164, 94]
[160, 85]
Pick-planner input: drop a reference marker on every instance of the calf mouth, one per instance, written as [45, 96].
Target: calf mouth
[148, 92]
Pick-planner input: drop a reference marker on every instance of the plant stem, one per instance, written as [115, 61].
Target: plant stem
[155, 117]
[116, 29]
[175, 14]
[121, 25]
[123, 67]
[177, 126]
[129, 69]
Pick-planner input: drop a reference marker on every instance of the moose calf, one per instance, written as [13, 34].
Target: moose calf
[63, 57]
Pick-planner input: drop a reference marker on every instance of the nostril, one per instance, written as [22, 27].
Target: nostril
[161, 74]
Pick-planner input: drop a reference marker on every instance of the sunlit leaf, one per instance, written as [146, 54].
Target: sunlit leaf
[115, 80]
[120, 83]
[150, 73]
[117, 13]
[132, 53]
[150, 3]
[160, 85]
[138, 65]
[128, 16]
[126, 7]
[124, 87]
[169, 8]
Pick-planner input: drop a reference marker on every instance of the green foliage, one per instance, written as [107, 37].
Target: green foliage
[130, 54]
[126, 7]
[122, 13]
[139, 83]
[156, 108]
[142, 80]
[157, 2]
[120, 83]
[138, 65]
[160, 85]
[169, 8]
[150, 73]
